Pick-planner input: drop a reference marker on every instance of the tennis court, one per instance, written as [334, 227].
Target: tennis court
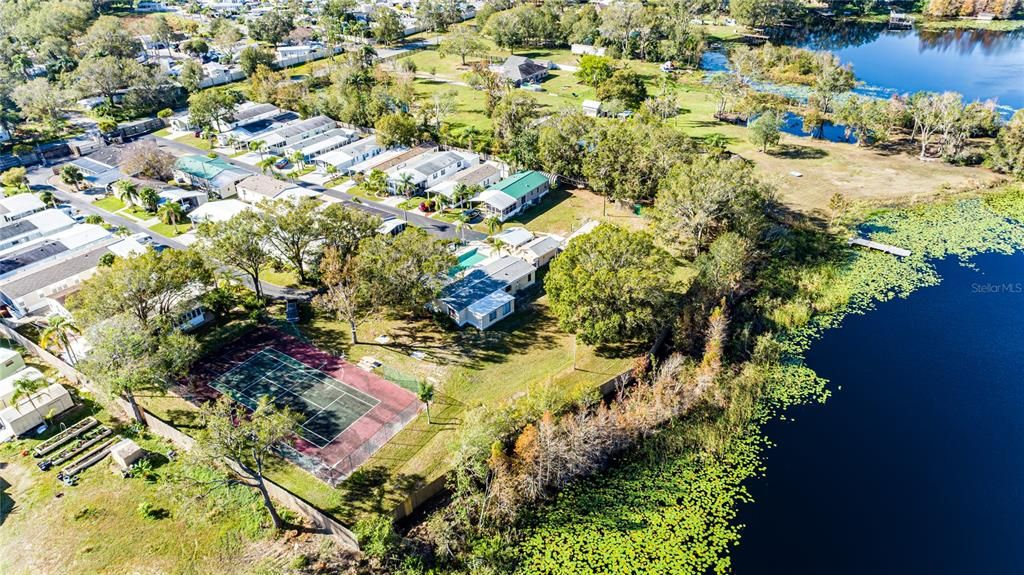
[326, 406]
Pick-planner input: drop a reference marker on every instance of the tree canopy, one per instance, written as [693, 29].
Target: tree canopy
[611, 285]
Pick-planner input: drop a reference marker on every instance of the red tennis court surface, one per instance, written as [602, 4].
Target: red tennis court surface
[349, 447]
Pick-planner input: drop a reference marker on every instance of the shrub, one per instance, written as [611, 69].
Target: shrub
[377, 537]
[146, 510]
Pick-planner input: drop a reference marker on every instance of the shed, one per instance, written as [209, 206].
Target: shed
[19, 419]
[7, 383]
[11, 362]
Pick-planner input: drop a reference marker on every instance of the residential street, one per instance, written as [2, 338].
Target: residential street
[38, 178]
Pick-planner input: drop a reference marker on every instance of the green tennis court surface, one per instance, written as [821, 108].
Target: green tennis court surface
[326, 406]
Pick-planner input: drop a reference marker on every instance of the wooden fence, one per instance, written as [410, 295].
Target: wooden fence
[321, 519]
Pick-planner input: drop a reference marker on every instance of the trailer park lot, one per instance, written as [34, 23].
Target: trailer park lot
[522, 351]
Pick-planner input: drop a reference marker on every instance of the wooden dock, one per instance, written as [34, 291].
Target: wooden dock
[898, 252]
[900, 21]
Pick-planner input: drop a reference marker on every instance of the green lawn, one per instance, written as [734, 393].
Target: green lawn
[190, 140]
[336, 181]
[109, 203]
[563, 211]
[95, 526]
[283, 278]
[137, 213]
[412, 204]
[170, 231]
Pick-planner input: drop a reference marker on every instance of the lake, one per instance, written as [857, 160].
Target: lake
[916, 462]
[979, 64]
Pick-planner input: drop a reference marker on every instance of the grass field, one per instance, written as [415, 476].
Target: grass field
[864, 174]
[563, 211]
[137, 213]
[95, 526]
[170, 231]
[109, 203]
[283, 278]
[526, 353]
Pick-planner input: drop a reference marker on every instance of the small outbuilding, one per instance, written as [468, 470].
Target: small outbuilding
[125, 453]
[29, 412]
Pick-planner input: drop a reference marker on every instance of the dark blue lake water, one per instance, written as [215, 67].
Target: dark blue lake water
[979, 64]
[916, 462]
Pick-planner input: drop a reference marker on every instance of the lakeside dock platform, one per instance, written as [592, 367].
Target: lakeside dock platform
[863, 242]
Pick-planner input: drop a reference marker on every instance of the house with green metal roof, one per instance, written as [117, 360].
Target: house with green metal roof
[513, 194]
[214, 174]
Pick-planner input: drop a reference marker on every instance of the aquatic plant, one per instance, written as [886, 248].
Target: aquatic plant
[670, 507]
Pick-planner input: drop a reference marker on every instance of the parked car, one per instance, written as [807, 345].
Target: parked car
[281, 164]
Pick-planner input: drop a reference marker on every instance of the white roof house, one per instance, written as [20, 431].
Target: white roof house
[255, 129]
[29, 292]
[283, 137]
[7, 383]
[320, 144]
[33, 226]
[428, 169]
[515, 237]
[540, 251]
[219, 211]
[39, 252]
[11, 362]
[20, 205]
[187, 199]
[127, 247]
[259, 188]
[347, 156]
[485, 293]
[496, 199]
[382, 156]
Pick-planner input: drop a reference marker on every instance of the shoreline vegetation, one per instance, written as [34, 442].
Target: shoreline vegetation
[930, 23]
[672, 503]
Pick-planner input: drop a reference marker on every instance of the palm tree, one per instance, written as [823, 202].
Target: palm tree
[376, 182]
[460, 224]
[208, 135]
[127, 192]
[425, 393]
[464, 193]
[149, 198]
[367, 53]
[470, 133]
[493, 224]
[58, 330]
[405, 184]
[258, 146]
[24, 387]
[266, 163]
[72, 176]
[298, 159]
[442, 201]
[171, 213]
[48, 199]
[499, 246]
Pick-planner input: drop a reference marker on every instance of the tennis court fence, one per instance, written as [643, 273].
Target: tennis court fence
[336, 473]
